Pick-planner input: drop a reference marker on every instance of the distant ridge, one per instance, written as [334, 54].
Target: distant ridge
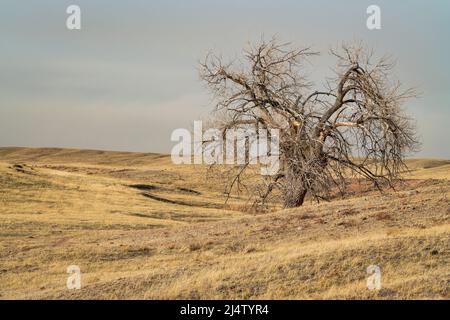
[24, 154]
[422, 168]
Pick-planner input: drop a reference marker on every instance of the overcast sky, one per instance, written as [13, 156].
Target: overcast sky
[128, 77]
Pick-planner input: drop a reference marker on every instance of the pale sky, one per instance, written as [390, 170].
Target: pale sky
[129, 77]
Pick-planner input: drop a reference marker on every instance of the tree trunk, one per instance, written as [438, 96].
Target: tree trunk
[294, 198]
[294, 189]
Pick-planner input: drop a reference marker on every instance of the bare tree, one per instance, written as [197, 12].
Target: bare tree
[354, 126]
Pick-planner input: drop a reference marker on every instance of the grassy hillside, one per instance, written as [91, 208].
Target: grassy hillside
[140, 227]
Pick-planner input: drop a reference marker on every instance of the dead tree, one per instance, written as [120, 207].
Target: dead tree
[354, 126]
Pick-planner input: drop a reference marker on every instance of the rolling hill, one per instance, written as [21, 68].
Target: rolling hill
[140, 227]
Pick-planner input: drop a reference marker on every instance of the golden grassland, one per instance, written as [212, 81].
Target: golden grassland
[140, 227]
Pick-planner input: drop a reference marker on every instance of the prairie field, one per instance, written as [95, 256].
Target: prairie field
[140, 227]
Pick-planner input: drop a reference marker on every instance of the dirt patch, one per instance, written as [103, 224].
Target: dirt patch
[144, 187]
[182, 203]
[22, 168]
[151, 187]
[187, 190]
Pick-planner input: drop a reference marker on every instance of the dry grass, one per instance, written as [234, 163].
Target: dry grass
[141, 228]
